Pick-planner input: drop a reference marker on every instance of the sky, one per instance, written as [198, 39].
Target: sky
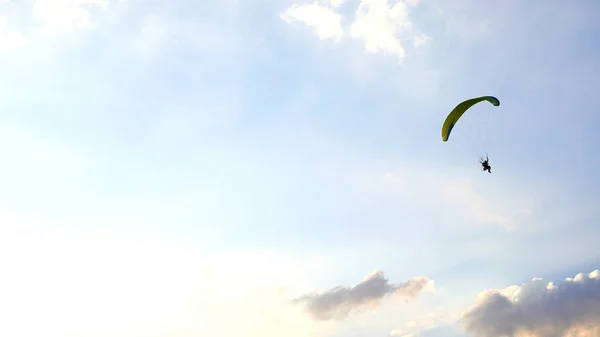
[275, 168]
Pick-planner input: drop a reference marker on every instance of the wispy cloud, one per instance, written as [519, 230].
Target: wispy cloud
[66, 16]
[325, 21]
[459, 195]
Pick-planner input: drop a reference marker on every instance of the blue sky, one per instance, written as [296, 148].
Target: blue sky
[189, 168]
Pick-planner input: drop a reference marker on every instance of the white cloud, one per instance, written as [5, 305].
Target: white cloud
[325, 22]
[337, 3]
[377, 24]
[66, 16]
[540, 309]
[46, 20]
[341, 301]
[381, 27]
[412, 3]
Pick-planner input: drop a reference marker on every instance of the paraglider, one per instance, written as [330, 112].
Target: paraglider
[485, 164]
[458, 112]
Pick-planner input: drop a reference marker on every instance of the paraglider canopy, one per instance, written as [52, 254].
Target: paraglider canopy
[459, 110]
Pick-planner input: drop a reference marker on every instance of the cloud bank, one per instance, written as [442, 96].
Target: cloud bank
[340, 301]
[571, 308]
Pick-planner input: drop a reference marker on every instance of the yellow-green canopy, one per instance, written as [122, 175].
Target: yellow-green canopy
[459, 110]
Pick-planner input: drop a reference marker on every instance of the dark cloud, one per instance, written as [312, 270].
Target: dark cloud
[340, 301]
[571, 308]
